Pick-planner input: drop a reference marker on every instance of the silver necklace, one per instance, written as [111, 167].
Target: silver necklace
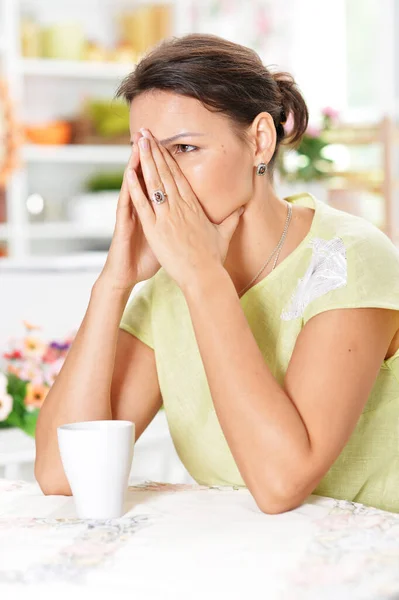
[277, 249]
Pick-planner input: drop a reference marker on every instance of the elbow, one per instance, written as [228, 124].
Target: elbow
[282, 500]
[277, 506]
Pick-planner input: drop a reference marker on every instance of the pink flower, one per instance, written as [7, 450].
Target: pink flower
[50, 355]
[330, 112]
[31, 372]
[313, 131]
[53, 371]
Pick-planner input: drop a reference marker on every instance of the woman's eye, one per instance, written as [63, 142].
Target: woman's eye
[184, 146]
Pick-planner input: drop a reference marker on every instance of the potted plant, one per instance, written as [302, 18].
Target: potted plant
[308, 166]
[96, 207]
[30, 368]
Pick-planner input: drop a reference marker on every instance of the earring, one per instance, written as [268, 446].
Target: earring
[261, 168]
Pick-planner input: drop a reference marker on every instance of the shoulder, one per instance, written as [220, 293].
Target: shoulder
[352, 264]
[355, 238]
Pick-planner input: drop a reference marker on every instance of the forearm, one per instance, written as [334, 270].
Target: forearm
[81, 391]
[262, 426]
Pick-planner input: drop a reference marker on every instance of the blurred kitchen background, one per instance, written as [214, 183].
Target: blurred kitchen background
[64, 142]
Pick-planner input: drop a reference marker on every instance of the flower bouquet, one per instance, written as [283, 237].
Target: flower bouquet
[30, 368]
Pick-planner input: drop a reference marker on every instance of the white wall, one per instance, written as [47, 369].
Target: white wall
[53, 297]
[318, 55]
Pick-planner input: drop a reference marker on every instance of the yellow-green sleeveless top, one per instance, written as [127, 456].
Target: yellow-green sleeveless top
[343, 262]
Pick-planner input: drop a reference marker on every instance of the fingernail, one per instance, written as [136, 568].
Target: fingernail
[145, 132]
[144, 143]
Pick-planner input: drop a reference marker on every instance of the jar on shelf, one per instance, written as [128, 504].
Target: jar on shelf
[30, 33]
[144, 26]
[65, 41]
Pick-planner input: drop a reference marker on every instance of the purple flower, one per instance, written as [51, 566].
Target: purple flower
[58, 346]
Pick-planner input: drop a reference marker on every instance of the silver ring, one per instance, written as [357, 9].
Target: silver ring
[159, 196]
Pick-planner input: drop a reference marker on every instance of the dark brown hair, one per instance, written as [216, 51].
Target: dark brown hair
[225, 77]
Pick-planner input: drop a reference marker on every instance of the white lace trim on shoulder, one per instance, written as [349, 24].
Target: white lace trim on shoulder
[327, 271]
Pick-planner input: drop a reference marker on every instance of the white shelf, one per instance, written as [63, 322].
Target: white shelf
[75, 69]
[4, 232]
[76, 261]
[37, 86]
[67, 230]
[76, 153]
[59, 230]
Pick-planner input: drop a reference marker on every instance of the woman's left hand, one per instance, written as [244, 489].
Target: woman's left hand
[186, 243]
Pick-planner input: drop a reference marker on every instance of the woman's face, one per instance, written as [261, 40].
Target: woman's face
[217, 165]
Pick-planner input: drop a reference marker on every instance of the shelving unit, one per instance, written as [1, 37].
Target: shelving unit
[385, 180]
[22, 73]
[100, 154]
[27, 76]
[37, 67]
[58, 230]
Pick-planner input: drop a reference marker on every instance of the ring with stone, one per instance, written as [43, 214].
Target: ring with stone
[159, 196]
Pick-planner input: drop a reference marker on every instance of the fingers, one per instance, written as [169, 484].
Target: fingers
[152, 178]
[124, 207]
[134, 161]
[124, 200]
[140, 202]
[182, 185]
[155, 169]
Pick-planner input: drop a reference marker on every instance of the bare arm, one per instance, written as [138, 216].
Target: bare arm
[82, 390]
[284, 438]
[102, 358]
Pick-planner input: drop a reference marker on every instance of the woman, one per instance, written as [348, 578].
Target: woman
[270, 335]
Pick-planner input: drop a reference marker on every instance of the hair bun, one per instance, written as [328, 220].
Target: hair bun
[292, 103]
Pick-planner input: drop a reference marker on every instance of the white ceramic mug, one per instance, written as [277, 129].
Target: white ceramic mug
[97, 458]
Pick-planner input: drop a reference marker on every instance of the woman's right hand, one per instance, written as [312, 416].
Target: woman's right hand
[130, 258]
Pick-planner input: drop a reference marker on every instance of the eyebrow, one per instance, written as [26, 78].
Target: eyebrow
[176, 137]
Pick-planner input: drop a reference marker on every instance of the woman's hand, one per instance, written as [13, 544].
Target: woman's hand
[130, 258]
[184, 240]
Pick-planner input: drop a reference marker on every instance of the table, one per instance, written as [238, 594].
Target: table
[186, 541]
[17, 448]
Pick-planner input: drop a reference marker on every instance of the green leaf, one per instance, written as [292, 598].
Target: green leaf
[29, 422]
[105, 181]
[16, 388]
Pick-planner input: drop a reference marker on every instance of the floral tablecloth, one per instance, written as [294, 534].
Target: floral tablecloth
[189, 541]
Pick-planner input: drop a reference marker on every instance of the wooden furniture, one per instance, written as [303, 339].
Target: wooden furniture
[345, 187]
